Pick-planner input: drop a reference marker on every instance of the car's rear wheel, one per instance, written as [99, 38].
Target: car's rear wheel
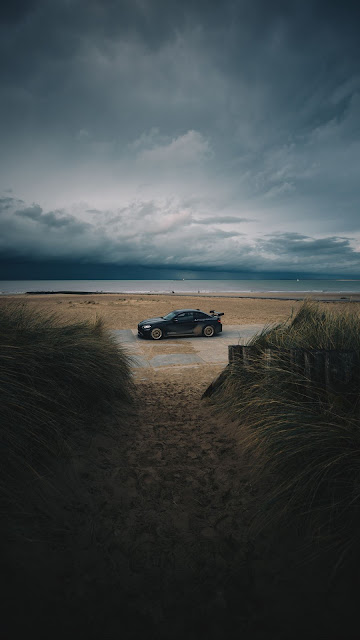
[208, 331]
[156, 333]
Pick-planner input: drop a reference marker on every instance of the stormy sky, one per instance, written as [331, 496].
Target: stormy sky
[189, 136]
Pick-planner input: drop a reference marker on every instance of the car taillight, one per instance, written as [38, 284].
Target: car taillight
[219, 320]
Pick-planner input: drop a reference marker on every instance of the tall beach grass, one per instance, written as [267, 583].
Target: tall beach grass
[302, 436]
[56, 380]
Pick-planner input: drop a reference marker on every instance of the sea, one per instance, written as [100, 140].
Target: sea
[181, 286]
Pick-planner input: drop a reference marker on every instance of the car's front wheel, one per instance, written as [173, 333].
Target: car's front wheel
[208, 331]
[156, 333]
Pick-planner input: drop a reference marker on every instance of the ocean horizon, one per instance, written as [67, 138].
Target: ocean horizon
[182, 286]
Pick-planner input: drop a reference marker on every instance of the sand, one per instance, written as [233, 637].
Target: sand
[172, 507]
[125, 311]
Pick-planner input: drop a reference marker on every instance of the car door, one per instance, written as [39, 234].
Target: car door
[182, 324]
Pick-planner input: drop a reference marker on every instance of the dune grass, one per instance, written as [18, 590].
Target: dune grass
[313, 327]
[302, 438]
[55, 381]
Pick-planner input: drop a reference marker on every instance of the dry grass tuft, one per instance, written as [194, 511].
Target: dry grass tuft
[302, 436]
[55, 380]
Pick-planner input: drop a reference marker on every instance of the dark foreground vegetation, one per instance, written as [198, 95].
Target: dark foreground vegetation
[57, 382]
[160, 518]
[297, 401]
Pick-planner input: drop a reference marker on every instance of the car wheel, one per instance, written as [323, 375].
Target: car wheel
[156, 333]
[209, 331]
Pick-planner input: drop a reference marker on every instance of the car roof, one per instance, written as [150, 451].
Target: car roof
[184, 310]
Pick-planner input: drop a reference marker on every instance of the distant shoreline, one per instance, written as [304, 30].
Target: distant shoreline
[269, 289]
[261, 295]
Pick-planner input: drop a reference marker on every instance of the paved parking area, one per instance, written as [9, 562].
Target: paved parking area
[186, 350]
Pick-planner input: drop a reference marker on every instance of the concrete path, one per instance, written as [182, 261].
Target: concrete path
[184, 351]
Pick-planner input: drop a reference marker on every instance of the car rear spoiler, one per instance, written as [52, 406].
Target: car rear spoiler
[216, 313]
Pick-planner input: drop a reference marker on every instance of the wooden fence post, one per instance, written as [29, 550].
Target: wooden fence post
[329, 370]
[321, 367]
[235, 352]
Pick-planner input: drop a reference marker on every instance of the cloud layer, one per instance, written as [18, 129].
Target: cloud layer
[163, 234]
[193, 134]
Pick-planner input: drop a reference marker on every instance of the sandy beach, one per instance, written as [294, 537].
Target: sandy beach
[124, 311]
[120, 311]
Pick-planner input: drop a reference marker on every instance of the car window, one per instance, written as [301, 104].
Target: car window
[200, 316]
[170, 315]
[186, 317]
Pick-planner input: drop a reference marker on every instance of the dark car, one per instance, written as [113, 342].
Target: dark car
[182, 322]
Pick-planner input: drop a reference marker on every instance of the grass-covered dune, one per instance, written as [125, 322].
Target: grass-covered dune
[57, 382]
[53, 378]
[301, 433]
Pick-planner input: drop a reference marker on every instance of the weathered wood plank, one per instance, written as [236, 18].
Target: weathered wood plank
[330, 370]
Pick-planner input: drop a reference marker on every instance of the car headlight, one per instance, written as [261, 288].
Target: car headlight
[146, 326]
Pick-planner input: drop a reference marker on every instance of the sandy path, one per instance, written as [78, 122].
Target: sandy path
[171, 515]
[174, 511]
[160, 544]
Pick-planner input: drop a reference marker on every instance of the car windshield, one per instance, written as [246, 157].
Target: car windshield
[170, 315]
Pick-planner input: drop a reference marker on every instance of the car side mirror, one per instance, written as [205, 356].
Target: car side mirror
[176, 320]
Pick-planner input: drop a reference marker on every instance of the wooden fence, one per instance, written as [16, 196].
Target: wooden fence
[326, 369]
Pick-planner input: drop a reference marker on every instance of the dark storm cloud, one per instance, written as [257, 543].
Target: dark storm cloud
[51, 219]
[15, 11]
[34, 212]
[310, 253]
[31, 233]
[295, 243]
[138, 127]
[280, 51]
[6, 203]
[167, 239]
